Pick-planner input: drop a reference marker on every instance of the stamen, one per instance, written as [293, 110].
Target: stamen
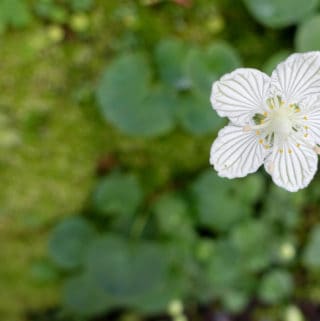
[247, 128]
[260, 141]
[280, 150]
[305, 118]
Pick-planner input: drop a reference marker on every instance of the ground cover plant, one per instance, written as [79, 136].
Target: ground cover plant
[109, 207]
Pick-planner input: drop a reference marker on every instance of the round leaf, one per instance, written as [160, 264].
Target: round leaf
[170, 55]
[204, 67]
[127, 100]
[83, 297]
[274, 60]
[196, 115]
[311, 257]
[216, 202]
[276, 286]
[69, 242]
[172, 216]
[117, 194]
[126, 270]
[254, 241]
[307, 35]
[278, 14]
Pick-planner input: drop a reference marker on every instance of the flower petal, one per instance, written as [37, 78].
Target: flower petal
[310, 118]
[292, 165]
[236, 153]
[240, 94]
[297, 77]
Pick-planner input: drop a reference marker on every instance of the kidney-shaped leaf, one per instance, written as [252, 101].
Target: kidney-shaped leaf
[83, 297]
[127, 270]
[117, 194]
[307, 35]
[69, 242]
[127, 100]
[280, 13]
[206, 66]
[170, 55]
[216, 201]
[196, 115]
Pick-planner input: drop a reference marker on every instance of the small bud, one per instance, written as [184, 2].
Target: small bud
[293, 313]
[79, 22]
[287, 251]
[175, 308]
[55, 33]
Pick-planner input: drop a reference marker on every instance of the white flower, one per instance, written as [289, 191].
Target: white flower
[273, 120]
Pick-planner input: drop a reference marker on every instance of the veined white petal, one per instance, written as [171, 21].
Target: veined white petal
[292, 164]
[236, 153]
[309, 118]
[240, 94]
[297, 77]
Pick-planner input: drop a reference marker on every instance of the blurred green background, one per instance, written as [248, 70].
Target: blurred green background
[109, 209]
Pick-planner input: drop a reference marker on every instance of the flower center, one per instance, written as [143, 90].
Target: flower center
[281, 122]
[278, 123]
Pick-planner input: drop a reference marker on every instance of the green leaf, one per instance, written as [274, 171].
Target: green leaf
[250, 188]
[14, 13]
[81, 5]
[274, 60]
[311, 257]
[173, 216]
[127, 270]
[307, 35]
[51, 11]
[82, 296]
[117, 194]
[216, 201]
[282, 207]
[157, 301]
[205, 66]
[278, 14]
[69, 242]
[254, 241]
[235, 301]
[196, 115]
[223, 270]
[127, 100]
[170, 55]
[275, 286]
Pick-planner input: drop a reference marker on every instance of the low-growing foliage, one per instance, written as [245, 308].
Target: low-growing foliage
[106, 126]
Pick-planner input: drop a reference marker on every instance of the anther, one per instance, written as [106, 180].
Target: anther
[260, 141]
[280, 150]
